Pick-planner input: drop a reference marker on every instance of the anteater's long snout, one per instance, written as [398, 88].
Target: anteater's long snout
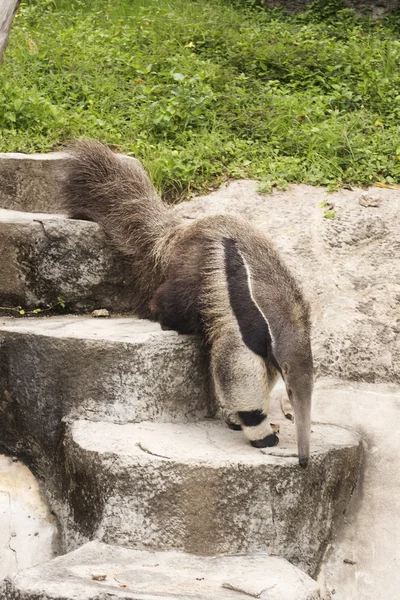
[302, 419]
[303, 462]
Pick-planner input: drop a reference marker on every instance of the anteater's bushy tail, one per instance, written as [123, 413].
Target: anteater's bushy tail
[116, 192]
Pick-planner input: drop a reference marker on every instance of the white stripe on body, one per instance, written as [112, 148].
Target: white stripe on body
[246, 266]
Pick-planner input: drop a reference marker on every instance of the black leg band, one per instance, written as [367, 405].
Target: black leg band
[268, 442]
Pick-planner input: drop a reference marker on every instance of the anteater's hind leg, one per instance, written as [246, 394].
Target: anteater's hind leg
[242, 383]
[174, 305]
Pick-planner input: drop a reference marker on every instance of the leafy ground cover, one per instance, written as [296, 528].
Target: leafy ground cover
[208, 89]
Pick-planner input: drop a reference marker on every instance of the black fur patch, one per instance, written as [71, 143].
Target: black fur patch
[174, 305]
[251, 418]
[252, 325]
[81, 216]
[268, 442]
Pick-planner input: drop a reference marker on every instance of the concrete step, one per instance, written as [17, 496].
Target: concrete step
[120, 369]
[44, 257]
[101, 571]
[201, 488]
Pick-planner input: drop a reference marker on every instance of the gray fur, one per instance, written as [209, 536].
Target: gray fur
[181, 280]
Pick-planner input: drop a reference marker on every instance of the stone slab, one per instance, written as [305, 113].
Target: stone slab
[201, 488]
[141, 575]
[120, 369]
[28, 532]
[29, 181]
[44, 257]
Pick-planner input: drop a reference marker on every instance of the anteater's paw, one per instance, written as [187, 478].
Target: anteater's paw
[268, 442]
[231, 419]
[286, 407]
[234, 426]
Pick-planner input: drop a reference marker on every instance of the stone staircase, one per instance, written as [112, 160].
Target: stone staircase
[113, 415]
[155, 497]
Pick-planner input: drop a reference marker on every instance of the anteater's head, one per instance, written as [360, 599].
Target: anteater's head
[293, 354]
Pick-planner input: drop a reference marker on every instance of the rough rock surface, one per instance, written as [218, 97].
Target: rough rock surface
[349, 267]
[201, 488]
[141, 575]
[28, 182]
[28, 532]
[362, 561]
[113, 369]
[44, 257]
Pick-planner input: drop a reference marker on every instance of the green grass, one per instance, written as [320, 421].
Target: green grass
[205, 90]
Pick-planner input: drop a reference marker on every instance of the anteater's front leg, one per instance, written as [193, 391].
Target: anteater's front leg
[242, 384]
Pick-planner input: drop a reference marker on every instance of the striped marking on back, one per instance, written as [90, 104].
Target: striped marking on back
[246, 266]
[253, 324]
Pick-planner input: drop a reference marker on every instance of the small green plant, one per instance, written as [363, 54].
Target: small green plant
[329, 209]
[265, 187]
[268, 185]
[36, 311]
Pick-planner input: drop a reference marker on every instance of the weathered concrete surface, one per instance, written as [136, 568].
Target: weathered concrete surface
[201, 488]
[120, 370]
[141, 575]
[362, 561]
[349, 267]
[28, 532]
[43, 257]
[29, 182]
